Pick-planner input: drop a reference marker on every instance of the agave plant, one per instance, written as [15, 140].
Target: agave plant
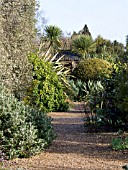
[93, 96]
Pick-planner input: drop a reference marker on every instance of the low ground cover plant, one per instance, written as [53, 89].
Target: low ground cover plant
[120, 143]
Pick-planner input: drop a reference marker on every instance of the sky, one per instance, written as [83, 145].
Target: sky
[108, 18]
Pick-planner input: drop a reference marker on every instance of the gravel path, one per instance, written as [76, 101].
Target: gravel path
[74, 149]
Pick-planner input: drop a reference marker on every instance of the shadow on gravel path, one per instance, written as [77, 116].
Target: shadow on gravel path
[73, 149]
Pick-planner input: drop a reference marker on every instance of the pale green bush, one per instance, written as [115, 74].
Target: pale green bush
[23, 131]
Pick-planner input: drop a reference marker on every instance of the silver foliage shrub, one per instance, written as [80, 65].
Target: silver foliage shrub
[23, 131]
[17, 36]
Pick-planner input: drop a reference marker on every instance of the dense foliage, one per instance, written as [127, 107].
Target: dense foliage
[83, 45]
[92, 69]
[50, 40]
[46, 92]
[115, 99]
[17, 38]
[109, 107]
[23, 131]
[110, 51]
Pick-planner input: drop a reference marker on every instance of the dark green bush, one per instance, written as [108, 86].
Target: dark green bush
[23, 131]
[115, 107]
[92, 69]
[121, 92]
[46, 92]
[121, 95]
[63, 107]
[114, 110]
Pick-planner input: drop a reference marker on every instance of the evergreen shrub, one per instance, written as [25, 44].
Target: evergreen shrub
[121, 93]
[46, 92]
[92, 69]
[23, 131]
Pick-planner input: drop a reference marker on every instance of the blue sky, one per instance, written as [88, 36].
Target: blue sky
[108, 18]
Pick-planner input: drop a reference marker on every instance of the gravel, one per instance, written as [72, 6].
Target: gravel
[74, 149]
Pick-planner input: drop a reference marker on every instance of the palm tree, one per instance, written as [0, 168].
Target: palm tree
[48, 50]
[51, 39]
[110, 51]
[84, 45]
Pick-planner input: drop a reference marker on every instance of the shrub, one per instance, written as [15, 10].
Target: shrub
[92, 69]
[23, 131]
[46, 92]
[115, 107]
[120, 143]
[121, 92]
[107, 100]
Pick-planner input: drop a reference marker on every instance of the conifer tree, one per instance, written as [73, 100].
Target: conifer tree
[85, 31]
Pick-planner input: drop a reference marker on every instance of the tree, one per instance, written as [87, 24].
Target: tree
[110, 51]
[51, 39]
[118, 50]
[85, 31]
[66, 42]
[83, 45]
[127, 43]
[17, 35]
[103, 45]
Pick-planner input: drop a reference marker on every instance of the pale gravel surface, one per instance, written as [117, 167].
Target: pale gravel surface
[74, 149]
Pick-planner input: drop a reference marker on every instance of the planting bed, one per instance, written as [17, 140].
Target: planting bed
[73, 148]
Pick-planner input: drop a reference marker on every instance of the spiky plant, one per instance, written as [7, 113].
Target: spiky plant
[58, 66]
[84, 45]
[50, 40]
